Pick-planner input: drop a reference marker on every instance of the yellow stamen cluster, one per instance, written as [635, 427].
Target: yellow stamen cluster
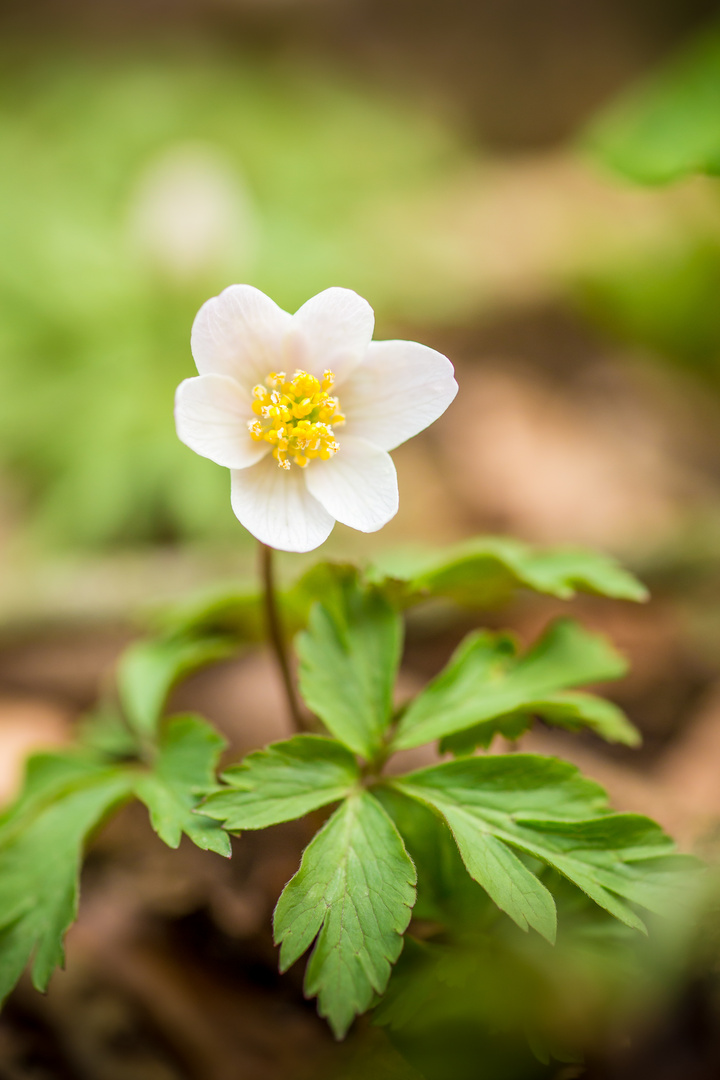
[296, 416]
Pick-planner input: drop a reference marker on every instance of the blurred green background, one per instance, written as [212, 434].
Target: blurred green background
[433, 157]
[138, 186]
[529, 188]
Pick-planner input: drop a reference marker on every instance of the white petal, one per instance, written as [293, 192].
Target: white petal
[211, 415]
[358, 486]
[276, 507]
[331, 331]
[398, 390]
[240, 333]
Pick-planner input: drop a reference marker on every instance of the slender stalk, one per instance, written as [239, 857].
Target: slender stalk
[275, 633]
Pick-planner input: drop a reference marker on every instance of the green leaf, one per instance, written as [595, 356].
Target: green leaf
[41, 843]
[485, 571]
[349, 657]
[48, 777]
[627, 854]
[569, 709]
[285, 781]
[542, 807]
[505, 878]
[327, 582]
[148, 671]
[668, 128]
[65, 796]
[574, 710]
[485, 680]
[510, 725]
[480, 572]
[183, 772]
[354, 892]
[446, 894]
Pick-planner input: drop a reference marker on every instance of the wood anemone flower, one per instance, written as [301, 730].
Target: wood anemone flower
[303, 410]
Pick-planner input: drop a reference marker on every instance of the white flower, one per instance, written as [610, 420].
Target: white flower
[303, 409]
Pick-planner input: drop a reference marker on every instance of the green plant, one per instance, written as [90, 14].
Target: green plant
[500, 835]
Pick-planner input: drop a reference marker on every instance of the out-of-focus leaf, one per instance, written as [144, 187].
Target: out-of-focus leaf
[105, 731]
[480, 1002]
[349, 656]
[182, 773]
[148, 670]
[668, 128]
[49, 775]
[354, 893]
[486, 680]
[568, 709]
[485, 571]
[286, 780]
[662, 300]
[225, 611]
[542, 807]
[238, 613]
[41, 841]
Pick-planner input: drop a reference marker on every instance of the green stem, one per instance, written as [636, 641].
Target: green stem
[277, 638]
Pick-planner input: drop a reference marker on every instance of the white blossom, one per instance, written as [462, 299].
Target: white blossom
[303, 410]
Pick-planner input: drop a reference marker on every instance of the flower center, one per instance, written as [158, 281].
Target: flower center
[296, 416]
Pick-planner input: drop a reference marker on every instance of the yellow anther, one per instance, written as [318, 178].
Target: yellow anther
[296, 417]
[281, 458]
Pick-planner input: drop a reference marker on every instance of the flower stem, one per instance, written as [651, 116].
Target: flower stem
[275, 633]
